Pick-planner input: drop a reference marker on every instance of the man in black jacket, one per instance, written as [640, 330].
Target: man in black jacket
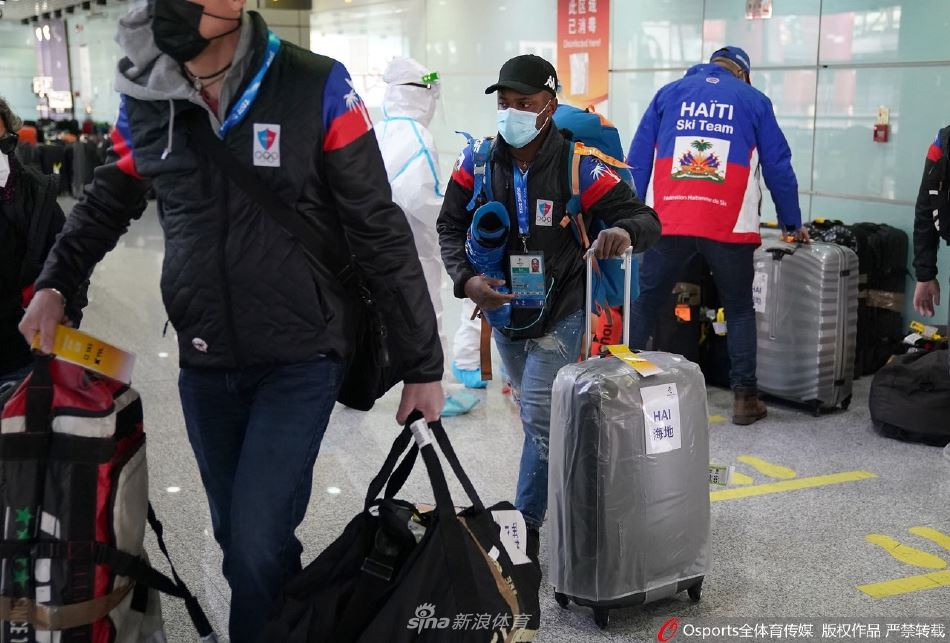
[30, 219]
[926, 232]
[530, 178]
[262, 332]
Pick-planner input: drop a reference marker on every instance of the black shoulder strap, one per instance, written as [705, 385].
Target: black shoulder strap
[197, 615]
[249, 181]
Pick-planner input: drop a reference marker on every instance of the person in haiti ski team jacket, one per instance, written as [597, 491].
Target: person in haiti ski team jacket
[530, 181]
[260, 330]
[697, 155]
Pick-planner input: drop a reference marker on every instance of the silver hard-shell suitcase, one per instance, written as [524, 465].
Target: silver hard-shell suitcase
[806, 303]
[628, 497]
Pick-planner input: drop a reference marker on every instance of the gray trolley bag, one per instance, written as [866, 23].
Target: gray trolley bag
[806, 303]
[628, 504]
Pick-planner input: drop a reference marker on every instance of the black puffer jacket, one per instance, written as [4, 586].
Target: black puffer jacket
[926, 236]
[237, 287]
[30, 219]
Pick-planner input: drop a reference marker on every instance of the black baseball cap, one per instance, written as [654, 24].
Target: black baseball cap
[528, 74]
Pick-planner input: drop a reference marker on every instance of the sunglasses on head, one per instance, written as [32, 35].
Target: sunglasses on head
[8, 142]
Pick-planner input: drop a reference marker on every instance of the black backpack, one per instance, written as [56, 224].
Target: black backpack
[937, 181]
[910, 398]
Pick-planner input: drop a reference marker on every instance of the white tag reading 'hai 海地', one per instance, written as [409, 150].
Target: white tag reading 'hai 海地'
[661, 418]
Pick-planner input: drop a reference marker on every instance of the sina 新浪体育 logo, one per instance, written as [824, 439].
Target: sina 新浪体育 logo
[425, 619]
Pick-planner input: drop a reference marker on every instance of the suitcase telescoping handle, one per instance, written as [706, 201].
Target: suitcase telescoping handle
[589, 297]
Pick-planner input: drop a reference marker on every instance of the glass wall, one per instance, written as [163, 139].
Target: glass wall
[18, 67]
[465, 42]
[827, 65]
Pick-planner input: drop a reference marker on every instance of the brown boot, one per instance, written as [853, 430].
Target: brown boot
[748, 408]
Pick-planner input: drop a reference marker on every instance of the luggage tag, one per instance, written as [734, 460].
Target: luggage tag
[527, 280]
[641, 365]
[720, 474]
[81, 349]
[719, 326]
[513, 533]
[926, 332]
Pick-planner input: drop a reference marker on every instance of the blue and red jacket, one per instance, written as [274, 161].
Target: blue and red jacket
[698, 153]
[604, 196]
[239, 290]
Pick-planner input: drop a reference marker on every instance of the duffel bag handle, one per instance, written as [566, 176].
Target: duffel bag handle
[394, 478]
[400, 444]
[449, 452]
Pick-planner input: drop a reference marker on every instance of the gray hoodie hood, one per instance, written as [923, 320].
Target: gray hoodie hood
[146, 73]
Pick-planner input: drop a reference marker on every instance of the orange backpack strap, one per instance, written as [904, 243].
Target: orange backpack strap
[582, 150]
[484, 350]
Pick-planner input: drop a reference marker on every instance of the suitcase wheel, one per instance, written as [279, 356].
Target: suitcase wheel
[695, 592]
[562, 599]
[602, 617]
[816, 409]
[845, 403]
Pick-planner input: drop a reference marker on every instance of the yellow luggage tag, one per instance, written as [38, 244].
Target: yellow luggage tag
[75, 347]
[643, 366]
[719, 325]
[927, 332]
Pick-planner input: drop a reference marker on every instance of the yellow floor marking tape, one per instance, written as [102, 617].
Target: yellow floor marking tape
[906, 554]
[907, 585]
[789, 485]
[717, 419]
[938, 537]
[767, 468]
[741, 478]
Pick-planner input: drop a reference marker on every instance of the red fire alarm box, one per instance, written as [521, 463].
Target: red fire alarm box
[882, 128]
[882, 132]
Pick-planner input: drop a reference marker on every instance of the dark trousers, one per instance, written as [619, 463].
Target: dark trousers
[256, 433]
[731, 264]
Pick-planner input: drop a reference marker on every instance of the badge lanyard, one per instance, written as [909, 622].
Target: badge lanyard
[240, 109]
[521, 204]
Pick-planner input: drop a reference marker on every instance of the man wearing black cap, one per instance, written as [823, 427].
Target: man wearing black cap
[528, 176]
[696, 157]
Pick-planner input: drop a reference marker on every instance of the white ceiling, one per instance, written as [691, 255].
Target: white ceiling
[16, 10]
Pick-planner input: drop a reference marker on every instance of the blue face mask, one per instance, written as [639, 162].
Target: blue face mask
[519, 127]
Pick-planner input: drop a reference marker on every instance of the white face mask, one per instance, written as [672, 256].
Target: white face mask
[4, 170]
[519, 127]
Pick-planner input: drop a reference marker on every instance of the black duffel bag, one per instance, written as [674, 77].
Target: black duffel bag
[910, 398]
[402, 572]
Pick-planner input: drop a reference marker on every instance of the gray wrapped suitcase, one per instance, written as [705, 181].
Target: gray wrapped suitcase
[806, 303]
[628, 486]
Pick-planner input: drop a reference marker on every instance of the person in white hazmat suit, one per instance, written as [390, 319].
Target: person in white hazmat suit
[412, 164]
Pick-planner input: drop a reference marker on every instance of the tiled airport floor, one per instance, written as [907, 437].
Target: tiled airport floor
[800, 551]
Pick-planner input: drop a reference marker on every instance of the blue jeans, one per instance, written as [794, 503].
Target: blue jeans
[256, 433]
[731, 265]
[532, 365]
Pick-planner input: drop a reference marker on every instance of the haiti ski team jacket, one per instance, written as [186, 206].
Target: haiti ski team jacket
[698, 154]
